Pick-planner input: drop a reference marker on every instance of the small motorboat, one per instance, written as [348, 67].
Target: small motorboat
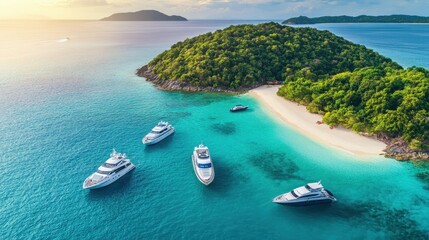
[238, 108]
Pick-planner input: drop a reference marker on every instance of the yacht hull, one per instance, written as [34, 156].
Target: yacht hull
[158, 139]
[200, 178]
[111, 180]
[306, 203]
[238, 110]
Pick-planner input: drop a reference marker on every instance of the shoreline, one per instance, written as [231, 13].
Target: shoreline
[175, 85]
[297, 117]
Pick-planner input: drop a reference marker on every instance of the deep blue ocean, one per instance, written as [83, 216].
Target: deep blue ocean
[68, 95]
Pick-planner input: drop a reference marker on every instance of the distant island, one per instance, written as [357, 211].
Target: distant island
[358, 19]
[348, 84]
[143, 15]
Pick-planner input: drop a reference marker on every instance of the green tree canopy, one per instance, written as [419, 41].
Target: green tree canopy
[248, 55]
[349, 84]
[374, 100]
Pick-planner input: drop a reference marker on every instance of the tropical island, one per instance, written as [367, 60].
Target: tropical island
[358, 19]
[143, 15]
[348, 84]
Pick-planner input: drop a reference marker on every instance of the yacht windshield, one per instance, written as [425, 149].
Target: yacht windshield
[103, 172]
[203, 154]
[204, 165]
[308, 187]
[294, 194]
[109, 165]
[159, 131]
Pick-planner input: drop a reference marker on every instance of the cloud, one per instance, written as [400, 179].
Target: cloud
[191, 2]
[82, 3]
[256, 2]
[209, 2]
[216, 2]
[87, 3]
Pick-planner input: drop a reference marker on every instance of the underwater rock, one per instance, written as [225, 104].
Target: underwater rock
[275, 165]
[224, 128]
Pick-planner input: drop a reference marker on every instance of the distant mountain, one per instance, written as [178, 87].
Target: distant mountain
[358, 19]
[143, 15]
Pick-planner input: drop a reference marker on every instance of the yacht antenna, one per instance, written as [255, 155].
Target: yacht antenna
[113, 152]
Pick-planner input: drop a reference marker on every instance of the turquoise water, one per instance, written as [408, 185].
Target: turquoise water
[66, 104]
[406, 44]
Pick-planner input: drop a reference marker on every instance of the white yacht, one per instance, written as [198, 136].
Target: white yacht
[158, 133]
[114, 168]
[203, 165]
[311, 193]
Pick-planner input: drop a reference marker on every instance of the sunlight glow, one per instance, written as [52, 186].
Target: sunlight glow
[207, 9]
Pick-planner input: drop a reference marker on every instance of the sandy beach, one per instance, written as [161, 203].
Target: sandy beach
[300, 119]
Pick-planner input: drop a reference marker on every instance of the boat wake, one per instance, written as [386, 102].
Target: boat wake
[63, 40]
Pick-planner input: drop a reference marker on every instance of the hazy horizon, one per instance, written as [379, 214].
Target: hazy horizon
[194, 19]
[207, 9]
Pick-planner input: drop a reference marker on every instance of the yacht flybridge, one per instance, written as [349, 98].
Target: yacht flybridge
[203, 165]
[114, 168]
[158, 133]
[311, 193]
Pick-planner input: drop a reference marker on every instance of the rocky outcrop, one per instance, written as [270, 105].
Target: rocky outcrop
[398, 149]
[176, 85]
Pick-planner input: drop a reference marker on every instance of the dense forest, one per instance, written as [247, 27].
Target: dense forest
[249, 55]
[372, 100]
[349, 84]
[358, 19]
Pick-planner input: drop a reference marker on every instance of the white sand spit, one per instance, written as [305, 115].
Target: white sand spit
[300, 119]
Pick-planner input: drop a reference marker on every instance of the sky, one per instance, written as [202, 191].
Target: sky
[208, 9]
